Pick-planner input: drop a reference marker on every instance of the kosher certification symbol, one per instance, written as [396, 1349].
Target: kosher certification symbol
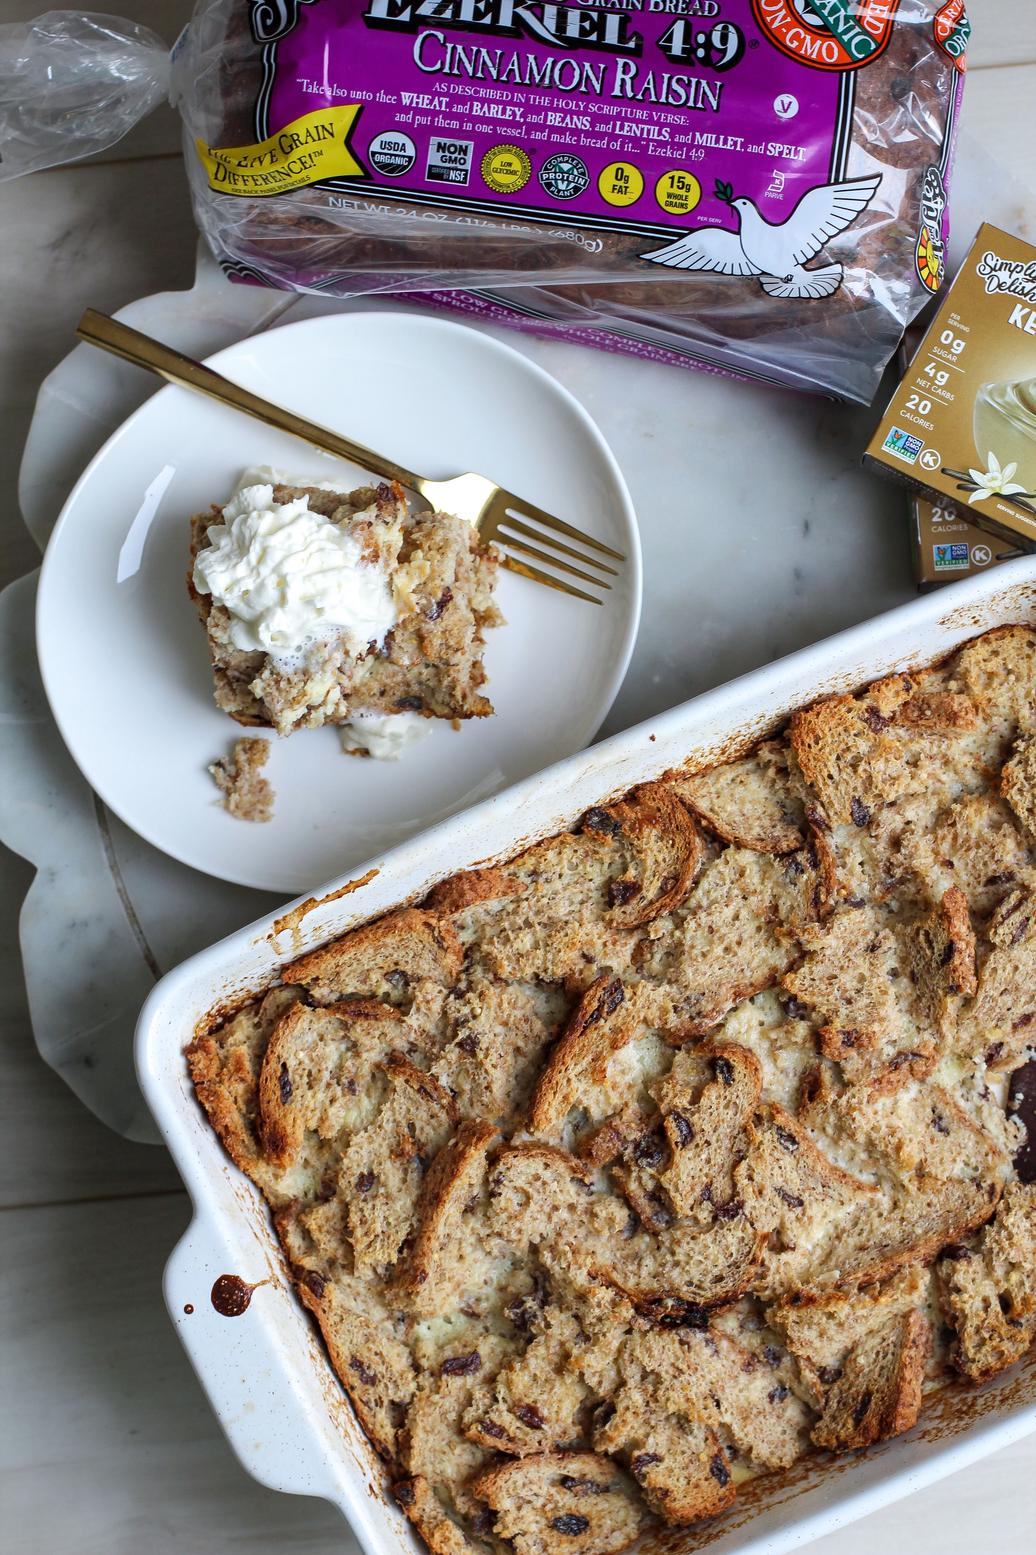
[392, 154]
[506, 169]
[564, 176]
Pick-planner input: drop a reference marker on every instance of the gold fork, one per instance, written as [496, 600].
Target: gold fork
[499, 515]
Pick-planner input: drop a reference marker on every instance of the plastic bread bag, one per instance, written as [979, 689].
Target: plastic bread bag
[755, 187]
[72, 83]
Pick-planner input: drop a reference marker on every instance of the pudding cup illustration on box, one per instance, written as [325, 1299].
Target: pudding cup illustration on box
[961, 426]
[1005, 443]
[1005, 431]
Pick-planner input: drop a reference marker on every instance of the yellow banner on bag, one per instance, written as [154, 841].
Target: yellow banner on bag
[309, 149]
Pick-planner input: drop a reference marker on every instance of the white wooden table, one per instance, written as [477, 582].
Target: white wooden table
[106, 1442]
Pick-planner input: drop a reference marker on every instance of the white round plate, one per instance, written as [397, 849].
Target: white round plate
[124, 657]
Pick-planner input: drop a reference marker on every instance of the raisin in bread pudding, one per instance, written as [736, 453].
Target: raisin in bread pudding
[331, 607]
[683, 1143]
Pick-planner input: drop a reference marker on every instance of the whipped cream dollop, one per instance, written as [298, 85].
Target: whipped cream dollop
[385, 736]
[269, 475]
[291, 579]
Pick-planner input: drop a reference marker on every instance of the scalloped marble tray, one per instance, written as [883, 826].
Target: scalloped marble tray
[107, 914]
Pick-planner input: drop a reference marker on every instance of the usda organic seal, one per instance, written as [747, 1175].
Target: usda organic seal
[392, 154]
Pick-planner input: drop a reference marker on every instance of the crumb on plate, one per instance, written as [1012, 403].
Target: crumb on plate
[246, 793]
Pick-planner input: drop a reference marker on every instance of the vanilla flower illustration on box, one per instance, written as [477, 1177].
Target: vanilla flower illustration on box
[997, 480]
[777, 253]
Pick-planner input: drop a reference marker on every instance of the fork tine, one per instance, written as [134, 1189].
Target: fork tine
[555, 561]
[514, 565]
[555, 545]
[522, 509]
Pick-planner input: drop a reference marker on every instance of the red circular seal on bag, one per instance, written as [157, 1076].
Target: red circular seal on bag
[952, 31]
[828, 34]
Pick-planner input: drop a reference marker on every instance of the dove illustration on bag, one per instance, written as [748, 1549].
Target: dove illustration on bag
[776, 252]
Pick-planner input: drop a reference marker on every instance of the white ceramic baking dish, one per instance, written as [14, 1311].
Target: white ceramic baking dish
[265, 1371]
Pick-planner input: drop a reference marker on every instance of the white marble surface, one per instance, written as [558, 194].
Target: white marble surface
[95, 1386]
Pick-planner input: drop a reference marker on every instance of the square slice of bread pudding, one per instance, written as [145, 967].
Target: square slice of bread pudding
[322, 607]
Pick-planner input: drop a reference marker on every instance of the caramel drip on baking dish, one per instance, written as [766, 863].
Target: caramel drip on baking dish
[231, 1295]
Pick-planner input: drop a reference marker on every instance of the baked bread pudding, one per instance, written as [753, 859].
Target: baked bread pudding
[239, 777]
[683, 1143]
[331, 607]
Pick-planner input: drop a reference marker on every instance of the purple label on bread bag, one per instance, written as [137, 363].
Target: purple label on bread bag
[651, 117]
[514, 157]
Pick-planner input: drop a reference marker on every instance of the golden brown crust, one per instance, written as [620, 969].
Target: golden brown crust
[861, 753]
[821, 1332]
[410, 942]
[677, 1460]
[213, 1081]
[680, 1277]
[542, 1499]
[225, 1067]
[425, 1084]
[298, 1065]
[280, 1137]
[439, 1531]
[664, 851]
[599, 1025]
[705, 1105]
[469, 888]
[990, 1288]
[371, 1362]
[879, 1392]
[735, 935]
[1018, 784]
[942, 710]
[455, 1175]
[943, 959]
[749, 802]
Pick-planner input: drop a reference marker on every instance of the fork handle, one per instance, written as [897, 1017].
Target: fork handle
[97, 329]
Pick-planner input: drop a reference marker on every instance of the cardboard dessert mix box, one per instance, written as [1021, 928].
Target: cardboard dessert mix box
[946, 546]
[961, 426]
